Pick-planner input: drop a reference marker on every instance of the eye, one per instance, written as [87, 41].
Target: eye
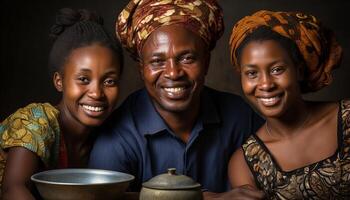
[277, 70]
[187, 59]
[157, 62]
[251, 74]
[83, 80]
[110, 82]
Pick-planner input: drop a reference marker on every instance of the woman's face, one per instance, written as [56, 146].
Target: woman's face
[269, 78]
[89, 84]
[174, 65]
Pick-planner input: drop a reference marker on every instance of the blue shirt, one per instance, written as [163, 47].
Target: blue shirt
[136, 140]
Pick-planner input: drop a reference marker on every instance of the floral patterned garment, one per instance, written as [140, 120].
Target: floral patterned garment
[34, 127]
[326, 179]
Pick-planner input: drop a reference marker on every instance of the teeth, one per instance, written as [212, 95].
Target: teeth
[93, 108]
[269, 101]
[174, 90]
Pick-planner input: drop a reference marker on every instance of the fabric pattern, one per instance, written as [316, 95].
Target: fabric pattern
[141, 17]
[317, 44]
[326, 179]
[34, 127]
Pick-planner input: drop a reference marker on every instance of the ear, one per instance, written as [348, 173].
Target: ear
[57, 81]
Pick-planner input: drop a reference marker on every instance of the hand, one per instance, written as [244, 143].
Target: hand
[245, 192]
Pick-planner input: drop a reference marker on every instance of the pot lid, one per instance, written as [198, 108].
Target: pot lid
[171, 181]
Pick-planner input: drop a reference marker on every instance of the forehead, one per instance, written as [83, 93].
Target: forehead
[93, 57]
[174, 38]
[265, 50]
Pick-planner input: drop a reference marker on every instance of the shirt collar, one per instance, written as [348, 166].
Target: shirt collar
[150, 122]
[148, 119]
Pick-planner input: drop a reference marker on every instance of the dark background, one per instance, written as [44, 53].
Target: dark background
[25, 46]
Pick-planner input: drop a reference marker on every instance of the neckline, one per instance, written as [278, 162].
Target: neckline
[314, 165]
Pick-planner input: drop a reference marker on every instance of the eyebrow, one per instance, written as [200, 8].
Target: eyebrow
[85, 70]
[272, 63]
[248, 65]
[186, 51]
[157, 54]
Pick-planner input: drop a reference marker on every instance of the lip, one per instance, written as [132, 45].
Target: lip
[270, 100]
[94, 110]
[176, 91]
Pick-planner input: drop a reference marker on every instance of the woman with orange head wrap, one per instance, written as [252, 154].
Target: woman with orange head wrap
[303, 149]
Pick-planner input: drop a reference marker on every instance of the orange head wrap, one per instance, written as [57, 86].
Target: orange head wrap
[317, 44]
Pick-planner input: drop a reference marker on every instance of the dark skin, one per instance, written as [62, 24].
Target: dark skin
[174, 63]
[88, 83]
[306, 130]
[173, 67]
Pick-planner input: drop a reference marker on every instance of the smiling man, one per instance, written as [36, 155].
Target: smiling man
[175, 121]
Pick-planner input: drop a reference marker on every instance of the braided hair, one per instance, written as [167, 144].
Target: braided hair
[75, 29]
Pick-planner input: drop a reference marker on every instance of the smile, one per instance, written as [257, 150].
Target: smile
[175, 90]
[93, 108]
[269, 101]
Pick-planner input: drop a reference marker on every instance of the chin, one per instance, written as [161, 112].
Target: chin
[274, 112]
[175, 107]
[91, 122]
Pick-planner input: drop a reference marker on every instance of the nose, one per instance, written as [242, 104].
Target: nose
[266, 82]
[173, 70]
[96, 91]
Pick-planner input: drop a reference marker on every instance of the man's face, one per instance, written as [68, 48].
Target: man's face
[174, 63]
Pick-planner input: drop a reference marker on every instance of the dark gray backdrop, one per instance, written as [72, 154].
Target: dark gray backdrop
[25, 46]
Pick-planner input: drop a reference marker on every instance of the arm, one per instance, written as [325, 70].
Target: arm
[20, 165]
[239, 172]
[241, 180]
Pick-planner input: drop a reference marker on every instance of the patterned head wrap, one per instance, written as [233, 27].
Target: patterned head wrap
[141, 17]
[317, 45]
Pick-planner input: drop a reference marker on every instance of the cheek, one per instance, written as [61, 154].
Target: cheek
[71, 90]
[150, 75]
[248, 85]
[112, 95]
[195, 73]
[289, 82]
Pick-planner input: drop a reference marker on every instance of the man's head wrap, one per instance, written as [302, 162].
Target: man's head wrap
[317, 44]
[141, 17]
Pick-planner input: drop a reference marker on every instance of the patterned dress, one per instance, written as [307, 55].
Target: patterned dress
[326, 179]
[34, 127]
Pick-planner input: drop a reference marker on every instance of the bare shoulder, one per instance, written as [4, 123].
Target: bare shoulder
[238, 170]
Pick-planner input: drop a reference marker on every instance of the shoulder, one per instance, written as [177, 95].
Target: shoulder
[345, 106]
[42, 113]
[33, 127]
[345, 116]
[250, 147]
[238, 170]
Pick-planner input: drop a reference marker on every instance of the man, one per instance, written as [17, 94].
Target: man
[175, 121]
